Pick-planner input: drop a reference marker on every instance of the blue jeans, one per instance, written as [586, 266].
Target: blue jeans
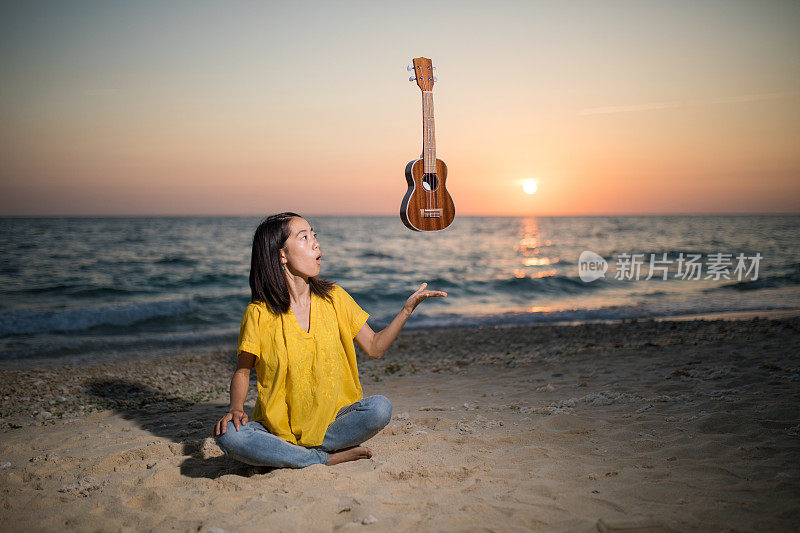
[354, 424]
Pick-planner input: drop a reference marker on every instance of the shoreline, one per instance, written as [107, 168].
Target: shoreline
[144, 354]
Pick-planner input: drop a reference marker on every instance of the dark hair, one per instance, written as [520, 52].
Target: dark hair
[267, 282]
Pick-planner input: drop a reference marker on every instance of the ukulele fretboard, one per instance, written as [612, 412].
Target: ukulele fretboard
[428, 133]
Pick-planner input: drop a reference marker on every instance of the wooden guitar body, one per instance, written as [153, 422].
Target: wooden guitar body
[427, 206]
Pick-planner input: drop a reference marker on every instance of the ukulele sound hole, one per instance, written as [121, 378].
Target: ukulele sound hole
[430, 182]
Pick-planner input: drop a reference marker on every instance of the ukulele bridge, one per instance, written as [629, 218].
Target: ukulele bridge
[430, 213]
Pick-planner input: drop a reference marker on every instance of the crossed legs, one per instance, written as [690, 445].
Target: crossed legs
[354, 424]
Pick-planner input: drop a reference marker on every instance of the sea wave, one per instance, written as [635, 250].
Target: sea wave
[552, 284]
[166, 281]
[99, 283]
[181, 260]
[26, 321]
[77, 290]
[94, 347]
[573, 316]
[784, 280]
[375, 254]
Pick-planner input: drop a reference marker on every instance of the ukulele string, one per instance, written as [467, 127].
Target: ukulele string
[428, 149]
[428, 154]
[425, 149]
[422, 182]
[433, 155]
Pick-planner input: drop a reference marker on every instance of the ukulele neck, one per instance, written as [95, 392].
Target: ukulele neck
[428, 133]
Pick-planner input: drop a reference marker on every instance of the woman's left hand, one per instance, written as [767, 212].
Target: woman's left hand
[421, 294]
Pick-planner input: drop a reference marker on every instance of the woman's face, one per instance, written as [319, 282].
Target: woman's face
[301, 253]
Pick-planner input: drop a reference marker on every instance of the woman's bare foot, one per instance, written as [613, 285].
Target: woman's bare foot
[349, 454]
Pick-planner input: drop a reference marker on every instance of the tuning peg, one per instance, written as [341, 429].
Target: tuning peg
[410, 68]
[412, 78]
[435, 79]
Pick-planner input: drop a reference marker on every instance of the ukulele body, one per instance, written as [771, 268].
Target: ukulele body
[427, 206]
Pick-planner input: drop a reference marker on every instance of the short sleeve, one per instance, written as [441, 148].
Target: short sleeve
[249, 332]
[354, 316]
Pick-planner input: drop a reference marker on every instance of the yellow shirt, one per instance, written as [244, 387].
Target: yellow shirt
[304, 378]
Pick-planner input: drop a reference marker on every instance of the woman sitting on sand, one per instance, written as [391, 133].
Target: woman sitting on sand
[298, 333]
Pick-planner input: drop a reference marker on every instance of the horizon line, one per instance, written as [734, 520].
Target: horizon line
[515, 215]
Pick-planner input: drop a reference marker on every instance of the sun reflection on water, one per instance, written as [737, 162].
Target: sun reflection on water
[539, 261]
[530, 247]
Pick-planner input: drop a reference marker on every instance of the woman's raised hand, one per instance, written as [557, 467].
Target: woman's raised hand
[239, 419]
[421, 294]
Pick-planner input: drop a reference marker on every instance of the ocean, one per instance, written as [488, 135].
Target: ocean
[115, 287]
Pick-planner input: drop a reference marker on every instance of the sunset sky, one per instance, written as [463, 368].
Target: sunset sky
[247, 108]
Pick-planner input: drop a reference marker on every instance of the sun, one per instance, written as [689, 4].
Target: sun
[529, 186]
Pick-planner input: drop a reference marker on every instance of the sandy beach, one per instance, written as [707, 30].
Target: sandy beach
[650, 426]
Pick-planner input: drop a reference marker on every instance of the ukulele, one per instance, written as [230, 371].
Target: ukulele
[427, 205]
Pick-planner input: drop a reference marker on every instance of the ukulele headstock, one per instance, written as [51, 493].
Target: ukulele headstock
[423, 73]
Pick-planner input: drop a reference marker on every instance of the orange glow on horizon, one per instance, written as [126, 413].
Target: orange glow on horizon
[277, 107]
